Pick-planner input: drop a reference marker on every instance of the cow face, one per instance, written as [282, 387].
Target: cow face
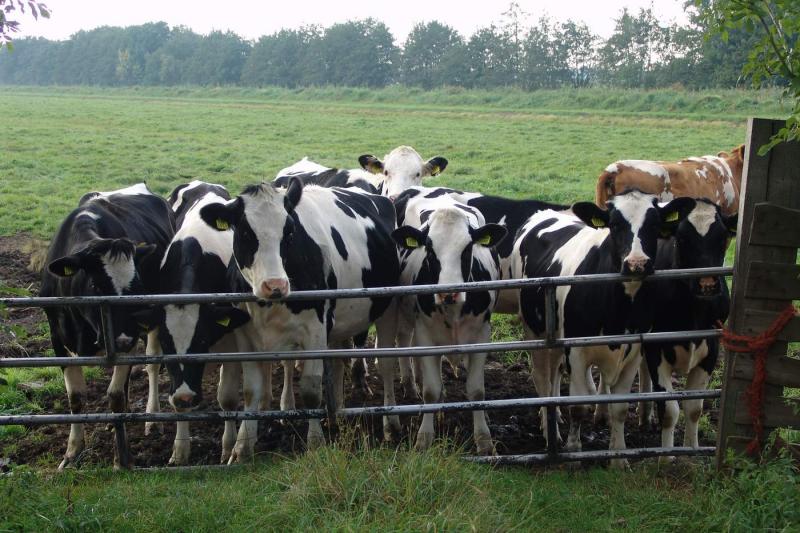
[401, 169]
[701, 240]
[263, 221]
[110, 267]
[634, 221]
[190, 329]
[735, 160]
[448, 239]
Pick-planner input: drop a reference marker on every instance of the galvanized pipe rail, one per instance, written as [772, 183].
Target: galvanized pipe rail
[550, 341]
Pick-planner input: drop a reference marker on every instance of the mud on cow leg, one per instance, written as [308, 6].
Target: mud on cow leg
[76, 394]
[228, 399]
[118, 402]
[153, 347]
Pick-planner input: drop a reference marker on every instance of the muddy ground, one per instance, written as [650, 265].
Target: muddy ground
[515, 430]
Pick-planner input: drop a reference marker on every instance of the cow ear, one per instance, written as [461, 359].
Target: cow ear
[408, 237]
[489, 235]
[436, 165]
[731, 222]
[66, 266]
[673, 213]
[148, 319]
[294, 191]
[370, 163]
[221, 216]
[590, 214]
[230, 318]
[739, 152]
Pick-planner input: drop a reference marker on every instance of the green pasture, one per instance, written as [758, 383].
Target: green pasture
[58, 143]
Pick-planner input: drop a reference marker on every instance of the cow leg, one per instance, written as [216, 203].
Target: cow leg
[311, 396]
[542, 362]
[697, 380]
[181, 448]
[578, 386]
[408, 378]
[118, 402]
[555, 379]
[248, 431]
[476, 392]
[645, 409]
[618, 412]
[75, 384]
[153, 405]
[359, 369]
[287, 394]
[386, 330]
[265, 403]
[338, 382]
[431, 393]
[668, 411]
[600, 409]
[228, 399]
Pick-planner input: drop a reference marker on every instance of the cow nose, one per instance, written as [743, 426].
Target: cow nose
[637, 265]
[274, 288]
[123, 343]
[708, 286]
[392, 197]
[448, 298]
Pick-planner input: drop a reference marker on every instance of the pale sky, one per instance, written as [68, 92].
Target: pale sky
[252, 18]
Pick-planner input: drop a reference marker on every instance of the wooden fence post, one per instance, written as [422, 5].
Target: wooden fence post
[765, 280]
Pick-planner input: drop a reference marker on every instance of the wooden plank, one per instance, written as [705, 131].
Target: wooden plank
[775, 225]
[779, 412]
[757, 321]
[773, 281]
[781, 370]
[772, 178]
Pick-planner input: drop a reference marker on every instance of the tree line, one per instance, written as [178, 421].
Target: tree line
[642, 52]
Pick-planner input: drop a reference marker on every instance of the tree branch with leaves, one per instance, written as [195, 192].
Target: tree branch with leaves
[9, 11]
[774, 58]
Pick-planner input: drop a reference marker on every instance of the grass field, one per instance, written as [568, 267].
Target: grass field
[58, 143]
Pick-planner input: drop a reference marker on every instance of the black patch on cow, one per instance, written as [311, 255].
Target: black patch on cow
[441, 191]
[345, 208]
[337, 240]
[191, 197]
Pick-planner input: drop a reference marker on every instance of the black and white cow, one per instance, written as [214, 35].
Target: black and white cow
[196, 261]
[311, 173]
[310, 238]
[444, 241]
[622, 239]
[111, 244]
[700, 240]
[400, 169]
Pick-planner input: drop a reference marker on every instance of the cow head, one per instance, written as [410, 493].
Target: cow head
[447, 239]
[111, 268]
[402, 168]
[190, 329]
[735, 160]
[263, 221]
[701, 239]
[634, 221]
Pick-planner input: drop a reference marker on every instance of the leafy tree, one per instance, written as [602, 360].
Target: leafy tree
[490, 59]
[8, 9]
[283, 58]
[428, 55]
[359, 53]
[775, 24]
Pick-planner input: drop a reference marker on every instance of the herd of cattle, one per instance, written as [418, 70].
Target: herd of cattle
[319, 228]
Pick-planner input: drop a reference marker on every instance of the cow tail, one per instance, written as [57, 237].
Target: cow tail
[605, 188]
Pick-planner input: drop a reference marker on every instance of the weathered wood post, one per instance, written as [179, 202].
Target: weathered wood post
[765, 281]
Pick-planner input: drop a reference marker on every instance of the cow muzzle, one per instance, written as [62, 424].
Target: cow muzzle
[637, 266]
[184, 399]
[274, 288]
[708, 286]
[448, 298]
[124, 343]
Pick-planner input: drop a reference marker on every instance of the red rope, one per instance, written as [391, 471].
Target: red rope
[758, 346]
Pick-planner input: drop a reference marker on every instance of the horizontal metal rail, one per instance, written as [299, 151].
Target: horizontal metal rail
[353, 412]
[417, 351]
[163, 299]
[594, 455]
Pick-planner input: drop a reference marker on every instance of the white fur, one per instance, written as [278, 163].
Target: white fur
[139, 188]
[192, 184]
[181, 322]
[702, 217]
[648, 167]
[89, 214]
[634, 206]
[120, 269]
[219, 243]
[301, 167]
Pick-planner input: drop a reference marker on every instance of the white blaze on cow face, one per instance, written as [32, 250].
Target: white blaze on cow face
[702, 217]
[181, 323]
[120, 269]
[449, 238]
[635, 207]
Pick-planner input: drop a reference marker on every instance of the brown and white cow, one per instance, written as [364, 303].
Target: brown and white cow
[717, 178]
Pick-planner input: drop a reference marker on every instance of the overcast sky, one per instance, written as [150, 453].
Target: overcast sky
[252, 18]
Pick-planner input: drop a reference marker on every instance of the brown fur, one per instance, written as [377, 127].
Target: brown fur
[683, 180]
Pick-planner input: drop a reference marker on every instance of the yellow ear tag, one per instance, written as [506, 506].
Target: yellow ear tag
[68, 271]
[224, 322]
[672, 217]
[222, 225]
[598, 222]
[411, 242]
[435, 170]
[486, 240]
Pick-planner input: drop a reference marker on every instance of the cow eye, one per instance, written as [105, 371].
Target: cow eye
[386, 173]
[417, 174]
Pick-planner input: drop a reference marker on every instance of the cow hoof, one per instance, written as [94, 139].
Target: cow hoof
[240, 454]
[225, 457]
[484, 445]
[315, 442]
[391, 429]
[573, 445]
[619, 464]
[666, 460]
[424, 441]
[153, 429]
[180, 457]
[68, 462]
